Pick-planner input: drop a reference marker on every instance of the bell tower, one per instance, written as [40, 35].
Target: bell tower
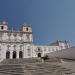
[3, 26]
[27, 30]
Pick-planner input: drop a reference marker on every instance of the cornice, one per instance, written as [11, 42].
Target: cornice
[14, 42]
[15, 32]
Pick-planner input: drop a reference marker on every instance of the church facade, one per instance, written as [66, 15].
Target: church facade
[19, 44]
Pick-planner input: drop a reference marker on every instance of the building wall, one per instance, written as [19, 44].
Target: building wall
[11, 41]
[29, 50]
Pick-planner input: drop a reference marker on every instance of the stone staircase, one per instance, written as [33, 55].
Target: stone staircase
[31, 68]
[21, 61]
[12, 70]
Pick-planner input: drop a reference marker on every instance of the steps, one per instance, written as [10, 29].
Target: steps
[14, 67]
[21, 61]
[32, 69]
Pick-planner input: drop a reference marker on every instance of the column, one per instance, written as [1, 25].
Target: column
[17, 54]
[11, 54]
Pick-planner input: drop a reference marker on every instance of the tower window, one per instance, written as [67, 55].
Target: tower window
[26, 29]
[2, 27]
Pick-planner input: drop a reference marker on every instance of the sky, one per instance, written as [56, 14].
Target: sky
[51, 20]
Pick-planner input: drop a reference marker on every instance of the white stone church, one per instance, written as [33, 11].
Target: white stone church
[19, 44]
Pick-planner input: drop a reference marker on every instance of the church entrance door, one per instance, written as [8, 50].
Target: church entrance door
[14, 54]
[39, 54]
[20, 54]
[7, 55]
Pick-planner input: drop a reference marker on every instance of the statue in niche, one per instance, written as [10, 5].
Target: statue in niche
[18, 37]
[12, 37]
[4, 37]
[8, 47]
[9, 34]
[14, 47]
[28, 37]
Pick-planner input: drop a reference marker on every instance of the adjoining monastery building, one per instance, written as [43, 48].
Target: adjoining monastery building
[19, 44]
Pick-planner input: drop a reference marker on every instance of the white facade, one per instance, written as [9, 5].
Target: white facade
[19, 44]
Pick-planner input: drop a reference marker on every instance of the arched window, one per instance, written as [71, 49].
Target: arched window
[2, 27]
[20, 54]
[26, 29]
[38, 49]
[14, 54]
[7, 55]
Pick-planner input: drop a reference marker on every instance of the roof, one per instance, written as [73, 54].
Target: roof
[72, 47]
[57, 43]
[54, 44]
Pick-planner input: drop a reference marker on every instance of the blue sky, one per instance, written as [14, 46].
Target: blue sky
[51, 20]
